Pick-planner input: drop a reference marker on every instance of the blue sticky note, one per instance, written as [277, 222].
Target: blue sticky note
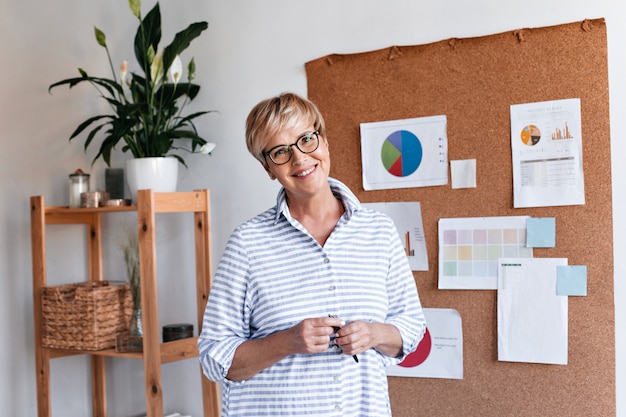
[571, 280]
[540, 232]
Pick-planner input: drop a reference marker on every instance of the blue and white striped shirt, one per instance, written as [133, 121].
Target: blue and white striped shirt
[273, 274]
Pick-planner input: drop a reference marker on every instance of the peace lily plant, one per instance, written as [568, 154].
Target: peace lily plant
[146, 105]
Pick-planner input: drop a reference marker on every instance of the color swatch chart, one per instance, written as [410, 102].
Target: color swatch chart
[469, 249]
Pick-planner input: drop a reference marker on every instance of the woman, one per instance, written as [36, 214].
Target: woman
[314, 297]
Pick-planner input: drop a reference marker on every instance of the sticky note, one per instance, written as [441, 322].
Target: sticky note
[571, 280]
[540, 232]
[463, 173]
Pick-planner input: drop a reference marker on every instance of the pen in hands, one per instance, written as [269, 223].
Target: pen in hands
[336, 329]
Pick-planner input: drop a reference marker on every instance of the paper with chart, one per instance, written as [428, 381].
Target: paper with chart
[407, 217]
[469, 249]
[532, 318]
[404, 153]
[546, 146]
[440, 352]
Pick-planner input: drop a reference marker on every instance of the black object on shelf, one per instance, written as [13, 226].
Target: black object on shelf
[177, 331]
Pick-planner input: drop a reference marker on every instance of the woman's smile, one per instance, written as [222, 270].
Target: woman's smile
[304, 173]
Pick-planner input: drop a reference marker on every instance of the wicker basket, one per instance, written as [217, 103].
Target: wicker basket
[85, 316]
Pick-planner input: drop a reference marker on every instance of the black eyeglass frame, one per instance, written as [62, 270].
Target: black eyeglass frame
[307, 135]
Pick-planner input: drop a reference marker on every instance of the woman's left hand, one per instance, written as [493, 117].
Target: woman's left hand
[358, 336]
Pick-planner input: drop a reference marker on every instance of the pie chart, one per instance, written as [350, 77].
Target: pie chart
[401, 153]
[530, 135]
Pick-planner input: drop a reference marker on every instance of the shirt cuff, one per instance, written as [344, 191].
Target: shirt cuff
[217, 357]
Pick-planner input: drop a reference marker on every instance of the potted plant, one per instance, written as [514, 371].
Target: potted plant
[147, 105]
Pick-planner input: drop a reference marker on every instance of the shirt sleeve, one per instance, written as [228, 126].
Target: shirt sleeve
[225, 324]
[405, 309]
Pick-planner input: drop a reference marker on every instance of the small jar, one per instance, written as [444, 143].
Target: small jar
[93, 198]
[177, 331]
[79, 183]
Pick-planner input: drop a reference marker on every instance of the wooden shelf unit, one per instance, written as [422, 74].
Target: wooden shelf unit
[154, 353]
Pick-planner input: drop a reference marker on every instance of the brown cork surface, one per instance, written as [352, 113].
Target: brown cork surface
[473, 82]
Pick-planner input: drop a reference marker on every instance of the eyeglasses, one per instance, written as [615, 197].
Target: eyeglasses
[282, 154]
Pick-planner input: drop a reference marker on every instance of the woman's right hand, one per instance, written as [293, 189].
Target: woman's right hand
[313, 335]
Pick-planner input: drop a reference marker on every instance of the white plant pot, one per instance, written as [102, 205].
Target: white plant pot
[159, 174]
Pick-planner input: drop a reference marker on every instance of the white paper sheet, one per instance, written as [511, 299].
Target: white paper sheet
[440, 354]
[404, 153]
[532, 319]
[546, 147]
[469, 249]
[463, 173]
[407, 217]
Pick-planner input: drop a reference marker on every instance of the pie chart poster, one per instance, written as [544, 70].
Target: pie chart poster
[404, 153]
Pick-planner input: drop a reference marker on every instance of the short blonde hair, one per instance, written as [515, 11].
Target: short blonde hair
[274, 114]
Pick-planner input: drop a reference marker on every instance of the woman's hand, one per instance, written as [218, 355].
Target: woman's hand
[358, 336]
[313, 335]
[307, 337]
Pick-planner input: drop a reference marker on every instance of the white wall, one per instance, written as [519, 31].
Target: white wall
[252, 50]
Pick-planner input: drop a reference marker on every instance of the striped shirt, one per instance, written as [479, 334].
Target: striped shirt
[273, 274]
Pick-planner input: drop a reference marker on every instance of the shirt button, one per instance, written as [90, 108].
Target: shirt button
[337, 407]
[331, 288]
[326, 260]
[336, 378]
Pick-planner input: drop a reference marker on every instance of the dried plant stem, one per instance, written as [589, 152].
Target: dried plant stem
[130, 248]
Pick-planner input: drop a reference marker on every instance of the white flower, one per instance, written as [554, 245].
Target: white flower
[156, 68]
[123, 70]
[175, 72]
[207, 148]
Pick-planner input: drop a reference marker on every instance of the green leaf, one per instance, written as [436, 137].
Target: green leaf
[92, 134]
[135, 7]
[181, 160]
[100, 37]
[71, 81]
[194, 115]
[148, 35]
[85, 124]
[169, 93]
[111, 86]
[191, 70]
[105, 149]
[181, 42]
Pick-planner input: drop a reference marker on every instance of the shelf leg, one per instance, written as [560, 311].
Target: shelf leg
[98, 386]
[149, 300]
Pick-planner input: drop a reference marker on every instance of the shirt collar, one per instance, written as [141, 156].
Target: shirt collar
[339, 189]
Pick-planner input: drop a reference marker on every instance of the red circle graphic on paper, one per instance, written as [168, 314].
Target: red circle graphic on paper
[421, 353]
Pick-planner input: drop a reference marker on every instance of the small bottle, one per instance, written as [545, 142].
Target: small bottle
[79, 183]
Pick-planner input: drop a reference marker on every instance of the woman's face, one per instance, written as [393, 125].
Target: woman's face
[305, 173]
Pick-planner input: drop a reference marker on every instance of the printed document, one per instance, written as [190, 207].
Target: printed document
[532, 318]
[547, 154]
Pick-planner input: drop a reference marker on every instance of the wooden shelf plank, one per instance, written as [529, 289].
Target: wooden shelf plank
[173, 351]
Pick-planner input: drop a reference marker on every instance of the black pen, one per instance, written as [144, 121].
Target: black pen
[336, 329]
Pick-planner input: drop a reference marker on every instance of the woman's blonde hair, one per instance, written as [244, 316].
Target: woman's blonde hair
[274, 114]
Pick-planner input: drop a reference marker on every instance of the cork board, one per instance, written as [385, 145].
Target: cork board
[473, 81]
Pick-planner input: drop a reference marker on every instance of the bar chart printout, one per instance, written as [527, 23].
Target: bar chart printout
[546, 145]
[469, 249]
[407, 216]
